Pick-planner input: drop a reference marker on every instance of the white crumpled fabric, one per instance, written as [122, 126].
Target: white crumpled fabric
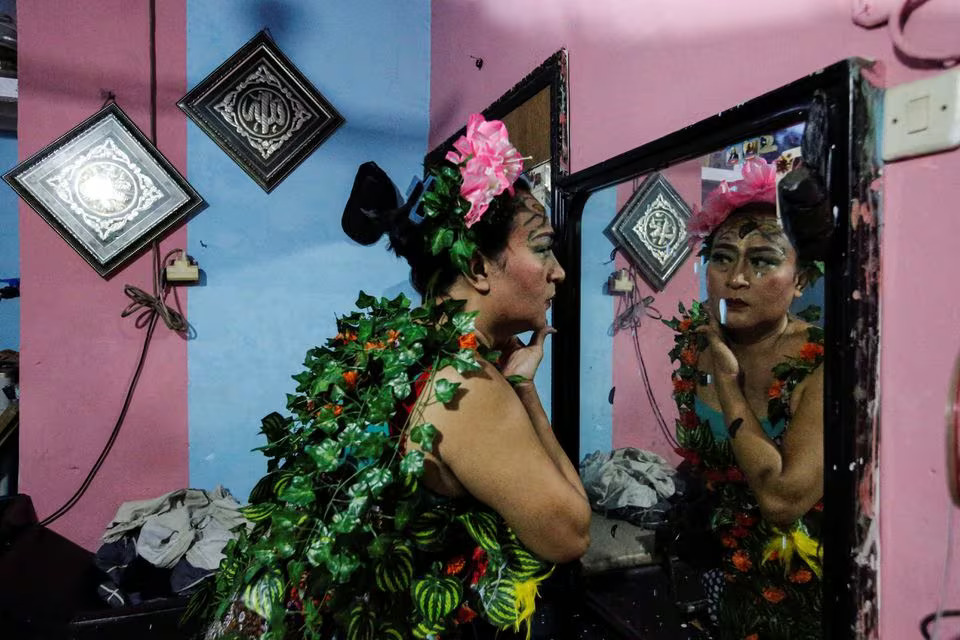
[189, 522]
[626, 477]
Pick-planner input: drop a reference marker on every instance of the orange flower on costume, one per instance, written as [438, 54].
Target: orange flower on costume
[811, 351]
[393, 335]
[801, 576]
[752, 636]
[741, 560]
[685, 325]
[468, 341]
[347, 336]
[729, 542]
[374, 346]
[455, 566]
[776, 389]
[818, 506]
[336, 408]
[680, 385]
[464, 614]
[350, 377]
[688, 356]
[740, 532]
[774, 594]
[480, 562]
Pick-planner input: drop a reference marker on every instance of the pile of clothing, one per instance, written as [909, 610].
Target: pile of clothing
[166, 546]
[629, 484]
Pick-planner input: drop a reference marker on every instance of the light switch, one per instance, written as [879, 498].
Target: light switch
[922, 117]
[917, 114]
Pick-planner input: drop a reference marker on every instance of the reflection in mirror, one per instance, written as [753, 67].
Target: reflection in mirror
[701, 396]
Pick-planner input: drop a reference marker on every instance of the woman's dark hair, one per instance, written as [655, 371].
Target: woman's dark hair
[375, 208]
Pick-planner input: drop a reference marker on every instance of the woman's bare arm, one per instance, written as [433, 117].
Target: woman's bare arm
[489, 442]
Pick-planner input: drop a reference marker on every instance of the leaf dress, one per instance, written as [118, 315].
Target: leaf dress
[771, 586]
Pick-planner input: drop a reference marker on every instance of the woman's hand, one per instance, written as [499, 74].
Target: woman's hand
[725, 363]
[518, 359]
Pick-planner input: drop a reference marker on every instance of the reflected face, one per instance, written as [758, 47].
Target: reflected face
[752, 266]
[527, 273]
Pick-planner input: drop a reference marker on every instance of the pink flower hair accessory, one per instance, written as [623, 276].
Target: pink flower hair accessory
[759, 184]
[489, 164]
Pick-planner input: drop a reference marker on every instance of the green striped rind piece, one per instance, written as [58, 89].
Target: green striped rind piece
[427, 630]
[409, 485]
[361, 624]
[436, 598]
[258, 512]
[389, 632]
[499, 600]
[266, 593]
[482, 527]
[521, 564]
[427, 530]
[394, 572]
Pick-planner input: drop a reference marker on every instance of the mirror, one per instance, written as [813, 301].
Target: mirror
[623, 401]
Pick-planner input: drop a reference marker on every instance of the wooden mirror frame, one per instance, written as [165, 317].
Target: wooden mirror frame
[852, 309]
[552, 75]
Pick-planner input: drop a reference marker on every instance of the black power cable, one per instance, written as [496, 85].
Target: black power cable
[151, 308]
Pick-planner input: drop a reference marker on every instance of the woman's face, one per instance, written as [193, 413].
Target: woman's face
[526, 275]
[753, 267]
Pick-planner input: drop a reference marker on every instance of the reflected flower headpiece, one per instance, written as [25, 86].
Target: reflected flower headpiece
[759, 184]
[489, 164]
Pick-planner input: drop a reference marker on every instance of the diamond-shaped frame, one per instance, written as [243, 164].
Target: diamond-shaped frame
[262, 111]
[651, 229]
[105, 188]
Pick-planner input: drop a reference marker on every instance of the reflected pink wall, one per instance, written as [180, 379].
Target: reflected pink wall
[641, 70]
[634, 421]
[78, 355]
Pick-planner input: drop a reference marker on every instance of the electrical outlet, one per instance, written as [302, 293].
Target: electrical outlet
[922, 117]
[183, 270]
[620, 282]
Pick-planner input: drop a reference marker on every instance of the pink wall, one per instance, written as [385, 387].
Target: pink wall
[78, 356]
[641, 70]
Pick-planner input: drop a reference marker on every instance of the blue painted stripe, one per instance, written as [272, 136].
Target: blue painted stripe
[278, 267]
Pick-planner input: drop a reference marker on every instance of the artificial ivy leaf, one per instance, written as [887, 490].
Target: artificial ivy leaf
[420, 313]
[412, 463]
[325, 455]
[344, 522]
[365, 300]
[465, 361]
[492, 356]
[445, 390]
[342, 566]
[442, 238]
[810, 314]
[265, 594]
[423, 434]
[463, 321]
[517, 379]
[320, 546]
[400, 386]
[299, 491]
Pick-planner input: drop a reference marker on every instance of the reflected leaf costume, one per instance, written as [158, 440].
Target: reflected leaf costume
[772, 576]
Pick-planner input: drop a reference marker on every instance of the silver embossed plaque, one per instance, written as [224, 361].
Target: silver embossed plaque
[105, 188]
[651, 229]
[262, 111]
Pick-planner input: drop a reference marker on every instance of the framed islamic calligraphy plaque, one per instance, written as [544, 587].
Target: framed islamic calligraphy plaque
[262, 111]
[651, 229]
[105, 188]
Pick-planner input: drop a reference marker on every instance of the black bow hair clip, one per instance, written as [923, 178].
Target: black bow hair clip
[375, 204]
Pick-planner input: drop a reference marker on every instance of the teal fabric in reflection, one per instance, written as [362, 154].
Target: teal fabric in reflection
[719, 427]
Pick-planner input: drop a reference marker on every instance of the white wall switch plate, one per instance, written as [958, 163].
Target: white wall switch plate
[922, 117]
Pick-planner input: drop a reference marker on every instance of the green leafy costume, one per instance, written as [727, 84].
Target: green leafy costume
[346, 543]
[772, 575]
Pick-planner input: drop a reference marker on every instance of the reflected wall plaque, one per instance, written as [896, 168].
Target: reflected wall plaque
[105, 188]
[651, 229]
[262, 111]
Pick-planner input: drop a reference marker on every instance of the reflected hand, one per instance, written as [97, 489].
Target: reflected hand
[725, 363]
[518, 359]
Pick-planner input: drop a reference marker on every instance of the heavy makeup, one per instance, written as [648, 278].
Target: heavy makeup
[752, 269]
